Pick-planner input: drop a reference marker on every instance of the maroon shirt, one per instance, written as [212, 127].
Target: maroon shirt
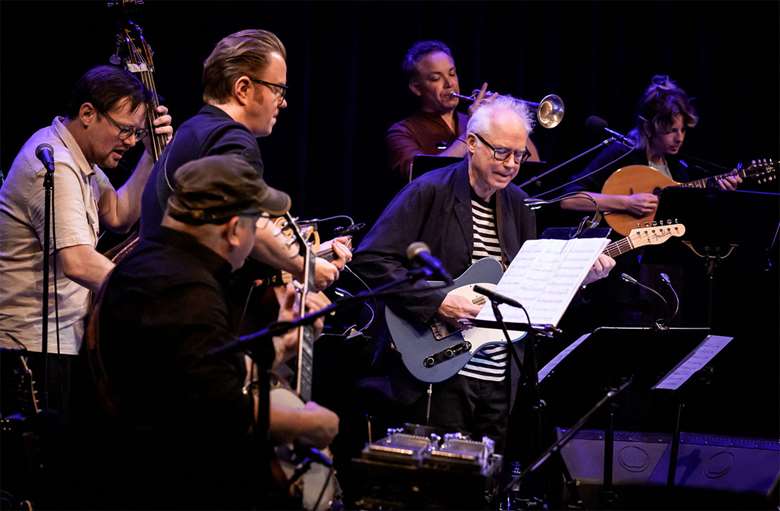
[421, 133]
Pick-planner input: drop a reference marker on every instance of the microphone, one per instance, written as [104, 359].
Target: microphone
[628, 278]
[595, 122]
[419, 253]
[45, 153]
[533, 203]
[705, 166]
[497, 297]
[631, 280]
[666, 280]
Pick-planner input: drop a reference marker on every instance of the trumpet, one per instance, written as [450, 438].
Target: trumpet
[549, 111]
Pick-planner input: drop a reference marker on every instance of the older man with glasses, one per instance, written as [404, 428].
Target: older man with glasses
[463, 212]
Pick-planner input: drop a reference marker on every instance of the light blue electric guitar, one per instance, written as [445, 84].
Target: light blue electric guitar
[437, 351]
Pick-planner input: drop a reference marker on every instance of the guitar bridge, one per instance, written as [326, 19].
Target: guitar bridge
[446, 354]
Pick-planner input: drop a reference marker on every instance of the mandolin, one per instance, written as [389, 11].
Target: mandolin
[643, 179]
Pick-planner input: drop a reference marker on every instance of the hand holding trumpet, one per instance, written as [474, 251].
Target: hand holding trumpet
[479, 97]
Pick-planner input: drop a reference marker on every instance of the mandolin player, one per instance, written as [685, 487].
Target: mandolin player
[664, 115]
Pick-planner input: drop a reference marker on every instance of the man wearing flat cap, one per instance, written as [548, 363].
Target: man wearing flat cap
[190, 432]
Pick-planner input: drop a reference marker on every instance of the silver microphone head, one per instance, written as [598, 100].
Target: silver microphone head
[415, 248]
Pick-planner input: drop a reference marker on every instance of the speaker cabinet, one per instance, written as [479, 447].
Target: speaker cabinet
[740, 468]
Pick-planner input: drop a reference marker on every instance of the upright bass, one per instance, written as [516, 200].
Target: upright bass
[135, 54]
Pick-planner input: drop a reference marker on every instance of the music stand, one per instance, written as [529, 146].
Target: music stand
[677, 378]
[423, 163]
[606, 359]
[718, 222]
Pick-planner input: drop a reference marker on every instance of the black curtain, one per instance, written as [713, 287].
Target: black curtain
[346, 86]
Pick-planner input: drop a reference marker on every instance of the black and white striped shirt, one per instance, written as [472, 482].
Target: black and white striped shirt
[487, 363]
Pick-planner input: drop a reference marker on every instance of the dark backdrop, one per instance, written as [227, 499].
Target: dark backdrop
[346, 88]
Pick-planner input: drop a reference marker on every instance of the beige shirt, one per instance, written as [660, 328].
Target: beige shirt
[77, 190]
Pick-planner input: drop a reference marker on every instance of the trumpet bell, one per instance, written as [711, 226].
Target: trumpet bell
[549, 111]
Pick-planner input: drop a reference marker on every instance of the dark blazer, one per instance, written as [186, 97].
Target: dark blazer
[436, 209]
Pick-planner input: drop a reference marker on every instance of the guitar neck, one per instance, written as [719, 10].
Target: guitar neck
[619, 247]
[705, 181]
[306, 336]
[641, 236]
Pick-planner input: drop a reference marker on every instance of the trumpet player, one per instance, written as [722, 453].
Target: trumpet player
[436, 127]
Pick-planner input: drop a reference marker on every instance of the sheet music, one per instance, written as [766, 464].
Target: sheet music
[548, 368]
[696, 360]
[544, 276]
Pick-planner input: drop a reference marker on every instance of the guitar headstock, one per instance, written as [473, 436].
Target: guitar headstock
[763, 170]
[655, 233]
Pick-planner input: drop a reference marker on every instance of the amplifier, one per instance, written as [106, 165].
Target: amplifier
[729, 469]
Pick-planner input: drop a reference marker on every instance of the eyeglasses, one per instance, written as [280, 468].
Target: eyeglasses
[279, 89]
[503, 153]
[126, 131]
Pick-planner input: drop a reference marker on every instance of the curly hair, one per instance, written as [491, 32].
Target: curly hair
[660, 104]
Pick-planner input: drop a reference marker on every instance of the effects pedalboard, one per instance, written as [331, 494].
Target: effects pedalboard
[415, 468]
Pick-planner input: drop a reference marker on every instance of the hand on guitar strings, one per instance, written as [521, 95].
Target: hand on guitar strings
[456, 307]
[729, 182]
[286, 346]
[327, 272]
[342, 251]
[600, 269]
[641, 204]
[163, 126]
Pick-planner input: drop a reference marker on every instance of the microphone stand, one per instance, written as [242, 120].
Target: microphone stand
[48, 187]
[246, 342]
[580, 178]
[529, 369]
[604, 142]
[556, 447]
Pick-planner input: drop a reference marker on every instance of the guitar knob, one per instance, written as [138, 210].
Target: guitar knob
[428, 362]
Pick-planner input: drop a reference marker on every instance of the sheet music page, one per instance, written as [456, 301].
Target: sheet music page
[695, 361]
[544, 277]
[552, 364]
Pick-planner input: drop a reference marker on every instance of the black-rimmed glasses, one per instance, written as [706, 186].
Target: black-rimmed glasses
[503, 153]
[126, 131]
[277, 88]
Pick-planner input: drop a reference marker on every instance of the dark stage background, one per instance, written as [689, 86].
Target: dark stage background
[346, 88]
